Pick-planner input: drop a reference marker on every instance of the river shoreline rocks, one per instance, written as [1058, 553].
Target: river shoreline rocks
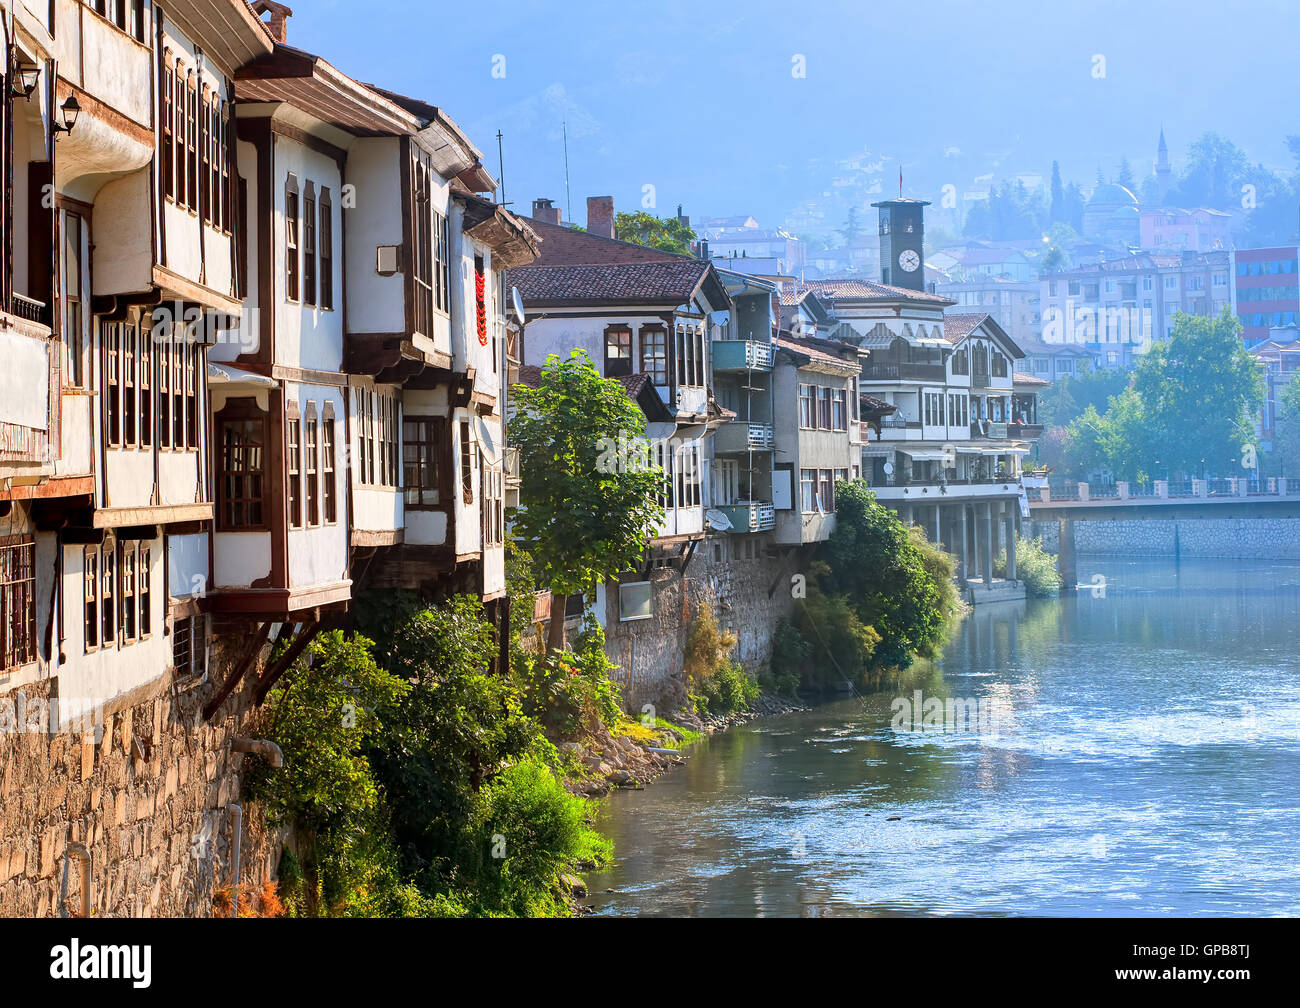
[618, 762]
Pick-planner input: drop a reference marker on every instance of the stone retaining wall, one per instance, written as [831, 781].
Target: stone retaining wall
[1236, 538]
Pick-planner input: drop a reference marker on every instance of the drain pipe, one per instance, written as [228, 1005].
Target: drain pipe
[82, 855]
[263, 747]
[237, 829]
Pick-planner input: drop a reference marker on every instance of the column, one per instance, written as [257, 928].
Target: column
[963, 543]
[1011, 509]
[1066, 561]
[987, 520]
[938, 532]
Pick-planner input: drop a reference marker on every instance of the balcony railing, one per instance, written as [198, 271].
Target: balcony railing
[30, 309]
[885, 371]
[1024, 430]
[988, 429]
[750, 516]
[741, 436]
[742, 355]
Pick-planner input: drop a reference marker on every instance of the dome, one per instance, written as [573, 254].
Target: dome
[1112, 195]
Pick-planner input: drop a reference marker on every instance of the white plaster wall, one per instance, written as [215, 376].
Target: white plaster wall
[123, 250]
[117, 69]
[241, 558]
[375, 304]
[306, 336]
[24, 380]
[187, 565]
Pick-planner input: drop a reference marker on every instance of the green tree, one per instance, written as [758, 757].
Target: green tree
[668, 234]
[874, 562]
[1286, 431]
[1213, 174]
[1199, 391]
[590, 495]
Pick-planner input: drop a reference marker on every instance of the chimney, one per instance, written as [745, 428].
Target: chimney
[600, 216]
[546, 211]
[276, 22]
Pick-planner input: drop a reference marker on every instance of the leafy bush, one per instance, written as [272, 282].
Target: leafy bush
[570, 691]
[1034, 566]
[526, 830]
[728, 688]
[842, 645]
[791, 657]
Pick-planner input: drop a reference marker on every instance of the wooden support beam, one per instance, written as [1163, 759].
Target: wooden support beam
[272, 674]
[232, 680]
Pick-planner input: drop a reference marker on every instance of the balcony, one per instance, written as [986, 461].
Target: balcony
[750, 516]
[1024, 430]
[30, 309]
[742, 436]
[742, 355]
[995, 429]
[892, 371]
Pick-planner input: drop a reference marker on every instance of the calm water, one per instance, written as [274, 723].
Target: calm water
[1144, 759]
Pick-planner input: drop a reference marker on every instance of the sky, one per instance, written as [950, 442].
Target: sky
[705, 102]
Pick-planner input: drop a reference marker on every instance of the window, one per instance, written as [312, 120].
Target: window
[422, 450]
[167, 138]
[431, 270]
[824, 413]
[130, 398]
[164, 394]
[205, 155]
[807, 406]
[466, 464]
[826, 495]
[293, 467]
[311, 470]
[112, 336]
[189, 647]
[961, 362]
[688, 476]
[146, 387]
[108, 593]
[291, 222]
[807, 490]
[840, 410]
[143, 589]
[681, 355]
[73, 317]
[91, 602]
[999, 366]
[241, 432]
[223, 156]
[127, 558]
[493, 518]
[192, 142]
[17, 601]
[654, 353]
[327, 465]
[618, 351]
[325, 238]
[635, 601]
[309, 245]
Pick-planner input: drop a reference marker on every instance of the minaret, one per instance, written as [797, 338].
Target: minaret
[1164, 175]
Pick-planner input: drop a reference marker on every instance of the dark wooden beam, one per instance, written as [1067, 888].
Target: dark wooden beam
[232, 680]
[278, 668]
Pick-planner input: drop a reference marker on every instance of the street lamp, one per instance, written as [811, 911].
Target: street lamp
[70, 109]
[25, 80]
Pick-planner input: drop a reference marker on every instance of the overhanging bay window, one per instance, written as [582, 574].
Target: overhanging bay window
[241, 431]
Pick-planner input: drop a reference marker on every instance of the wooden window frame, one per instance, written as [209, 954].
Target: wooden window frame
[74, 310]
[242, 414]
[619, 337]
[167, 133]
[163, 385]
[311, 467]
[144, 591]
[654, 338]
[192, 142]
[293, 466]
[424, 462]
[309, 244]
[292, 222]
[17, 601]
[329, 501]
[111, 336]
[108, 625]
[325, 241]
[466, 463]
[90, 599]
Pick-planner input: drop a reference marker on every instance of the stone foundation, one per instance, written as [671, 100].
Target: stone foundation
[146, 789]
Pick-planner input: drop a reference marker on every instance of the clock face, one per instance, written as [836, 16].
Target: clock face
[908, 260]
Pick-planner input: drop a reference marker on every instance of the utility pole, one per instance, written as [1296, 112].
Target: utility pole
[568, 206]
[501, 168]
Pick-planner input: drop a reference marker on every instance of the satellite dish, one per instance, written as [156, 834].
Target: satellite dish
[517, 304]
[486, 439]
[718, 521]
[888, 467]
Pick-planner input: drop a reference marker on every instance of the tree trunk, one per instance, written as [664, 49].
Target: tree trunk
[555, 634]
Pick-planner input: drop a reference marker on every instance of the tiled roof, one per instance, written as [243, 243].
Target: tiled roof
[1019, 378]
[871, 404]
[565, 246]
[673, 281]
[866, 290]
[957, 327]
[808, 349]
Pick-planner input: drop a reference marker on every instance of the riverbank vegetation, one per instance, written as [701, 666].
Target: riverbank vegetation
[1034, 566]
[880, 597]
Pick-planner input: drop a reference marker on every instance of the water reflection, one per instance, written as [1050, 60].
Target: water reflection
[1145, 765]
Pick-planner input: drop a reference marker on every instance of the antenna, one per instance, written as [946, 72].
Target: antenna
[900, 183]
[568, 206]
[501, 168]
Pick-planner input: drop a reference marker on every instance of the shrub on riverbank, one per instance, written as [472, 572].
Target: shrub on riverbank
[406, 761]
[1034, 566]
[716, 682]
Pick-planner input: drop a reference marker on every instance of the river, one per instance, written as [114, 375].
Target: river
[1136, 751]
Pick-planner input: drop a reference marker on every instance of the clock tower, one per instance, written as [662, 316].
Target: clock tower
[902, 262]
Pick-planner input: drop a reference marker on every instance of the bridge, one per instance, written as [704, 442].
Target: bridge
[1160, 500]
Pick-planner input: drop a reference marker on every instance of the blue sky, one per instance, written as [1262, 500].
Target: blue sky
[698, 99]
